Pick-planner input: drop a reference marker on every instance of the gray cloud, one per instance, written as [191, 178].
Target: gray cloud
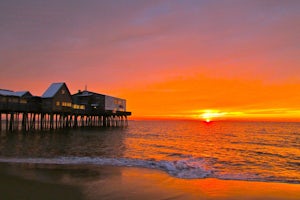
[42, 38]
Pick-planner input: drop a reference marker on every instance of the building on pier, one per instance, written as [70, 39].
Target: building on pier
[57, 108]
[57, 98]
[92, 102]
[10, 100]
[99, 102]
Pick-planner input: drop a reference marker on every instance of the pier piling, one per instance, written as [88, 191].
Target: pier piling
[28, 121]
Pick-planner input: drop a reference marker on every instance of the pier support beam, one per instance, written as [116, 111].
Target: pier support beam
[24, 121]
[11, 122]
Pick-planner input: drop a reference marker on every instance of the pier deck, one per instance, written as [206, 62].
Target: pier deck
[24, 119]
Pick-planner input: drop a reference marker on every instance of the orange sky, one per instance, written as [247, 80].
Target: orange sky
[169, 59]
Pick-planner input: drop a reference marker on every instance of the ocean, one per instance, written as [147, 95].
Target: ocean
[250, 151]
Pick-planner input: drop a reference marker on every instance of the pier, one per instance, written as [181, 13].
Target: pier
[58, 109]
[28, 121]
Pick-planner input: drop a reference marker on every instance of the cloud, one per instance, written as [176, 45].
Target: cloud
[186, 96]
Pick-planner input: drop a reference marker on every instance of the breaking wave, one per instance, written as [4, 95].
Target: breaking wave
[187, 168]
[190, 168]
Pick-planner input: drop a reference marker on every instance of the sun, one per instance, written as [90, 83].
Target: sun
[207, 120]
[209, 115]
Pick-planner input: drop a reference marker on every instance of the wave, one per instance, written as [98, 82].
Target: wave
[191, 168]
[187, 169]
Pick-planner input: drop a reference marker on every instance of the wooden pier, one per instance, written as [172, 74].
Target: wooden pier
[29, 121]
[57, 109]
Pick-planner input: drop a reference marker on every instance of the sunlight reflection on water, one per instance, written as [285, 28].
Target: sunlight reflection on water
[232, 150]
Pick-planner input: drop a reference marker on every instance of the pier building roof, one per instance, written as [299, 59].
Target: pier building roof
[12, 93]
[52, 90]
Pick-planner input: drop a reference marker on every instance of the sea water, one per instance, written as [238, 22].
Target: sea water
[255, 151]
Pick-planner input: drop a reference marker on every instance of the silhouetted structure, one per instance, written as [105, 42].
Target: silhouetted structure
[95, 102]
[57, 108]
[57, 98]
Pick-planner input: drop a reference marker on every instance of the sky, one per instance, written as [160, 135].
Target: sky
[191, 59]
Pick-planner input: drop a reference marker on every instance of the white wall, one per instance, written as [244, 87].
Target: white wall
[115, 104]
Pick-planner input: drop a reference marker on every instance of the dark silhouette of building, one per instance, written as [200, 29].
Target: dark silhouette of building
[57, 98]
[10, 100]
[57, 108]
[96, 102]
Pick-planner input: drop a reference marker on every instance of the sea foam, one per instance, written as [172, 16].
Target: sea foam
[186, 168]
[190, 168]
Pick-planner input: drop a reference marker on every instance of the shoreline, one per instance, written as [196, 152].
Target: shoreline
[36, 181]
[133, 163]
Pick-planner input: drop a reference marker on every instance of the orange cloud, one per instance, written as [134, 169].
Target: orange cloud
[229, 98]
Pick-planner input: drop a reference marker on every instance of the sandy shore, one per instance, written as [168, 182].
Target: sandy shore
[30, 181]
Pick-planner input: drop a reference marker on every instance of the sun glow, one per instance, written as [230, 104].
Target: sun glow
[209, 115]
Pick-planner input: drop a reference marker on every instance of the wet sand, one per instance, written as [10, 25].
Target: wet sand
[31, 181]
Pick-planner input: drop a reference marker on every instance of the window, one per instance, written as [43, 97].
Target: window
[23, 101]
[76, 106]
[57, 103]
[66, 104]
[63, 91]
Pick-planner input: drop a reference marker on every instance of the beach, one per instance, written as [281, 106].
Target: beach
[35, 181]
